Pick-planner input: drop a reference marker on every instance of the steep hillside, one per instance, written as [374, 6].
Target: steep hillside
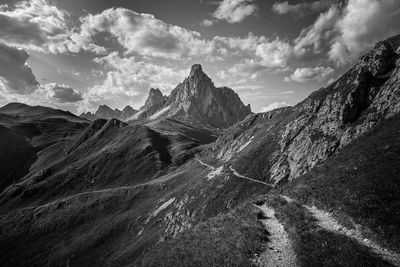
[15, 157]
[361, 184]
[42, 126]
[283, 144]
[106, 154]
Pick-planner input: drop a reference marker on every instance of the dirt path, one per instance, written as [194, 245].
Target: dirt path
[205, 164]
[247, 178]
[326, 221]
[156, 181]
[279, 250]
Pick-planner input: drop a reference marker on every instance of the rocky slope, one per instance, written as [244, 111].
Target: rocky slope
[285, 143]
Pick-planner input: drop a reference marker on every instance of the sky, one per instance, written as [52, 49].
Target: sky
[78, 54]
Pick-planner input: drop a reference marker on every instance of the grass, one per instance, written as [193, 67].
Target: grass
[315, 246]
[226, 240]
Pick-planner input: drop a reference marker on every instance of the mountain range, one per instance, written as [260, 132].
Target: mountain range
[196, 179]
[196, 98]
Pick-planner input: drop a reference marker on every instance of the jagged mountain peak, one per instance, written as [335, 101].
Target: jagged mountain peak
[155, 98]
[198, 98]
[196, 72]
[127, 108]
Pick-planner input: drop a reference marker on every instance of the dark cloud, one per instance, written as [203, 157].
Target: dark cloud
[64, 93]
[15, 75]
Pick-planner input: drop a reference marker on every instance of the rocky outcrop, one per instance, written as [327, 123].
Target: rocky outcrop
[323, 123]
[154, 102]
[197, 98]
[155, 98]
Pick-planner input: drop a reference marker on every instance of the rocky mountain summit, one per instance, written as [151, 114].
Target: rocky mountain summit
[197, 99]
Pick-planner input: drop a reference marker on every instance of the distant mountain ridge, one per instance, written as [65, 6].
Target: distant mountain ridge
[105, 112]
[195, 99]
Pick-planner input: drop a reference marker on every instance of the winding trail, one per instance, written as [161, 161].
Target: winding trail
[326, 221]
[248, 178]
[159, 180]
[205, 164]
[236, 174]
[279, 250]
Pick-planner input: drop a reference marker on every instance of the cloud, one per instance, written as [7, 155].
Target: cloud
[206, 23]
[347, 30]
[302, 9]
[257, 53]
[140, 33]
[128, 81]
[318, 73]
[273, 106]
[234, 11]
[35, 25]
[315, 38]
[15, 75]
[63, 93]
[364, 22]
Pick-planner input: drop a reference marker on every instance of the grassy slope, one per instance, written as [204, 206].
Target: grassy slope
[360, 184]
[229, 239]
[16, 155]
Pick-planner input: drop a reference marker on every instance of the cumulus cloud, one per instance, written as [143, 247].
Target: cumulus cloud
[234, 11]
[63, 93]
[140, 33]
[274, 105]
[15, 75]
[302, 9]
[128, 81]
[35, 24]
[318, 73]
[364, 22]
[259, 53]
[346, 31]
[316, 37]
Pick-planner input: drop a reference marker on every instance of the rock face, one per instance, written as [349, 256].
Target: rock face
[155, 98]
[285, 145]
[197, 97]
[154, 102]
